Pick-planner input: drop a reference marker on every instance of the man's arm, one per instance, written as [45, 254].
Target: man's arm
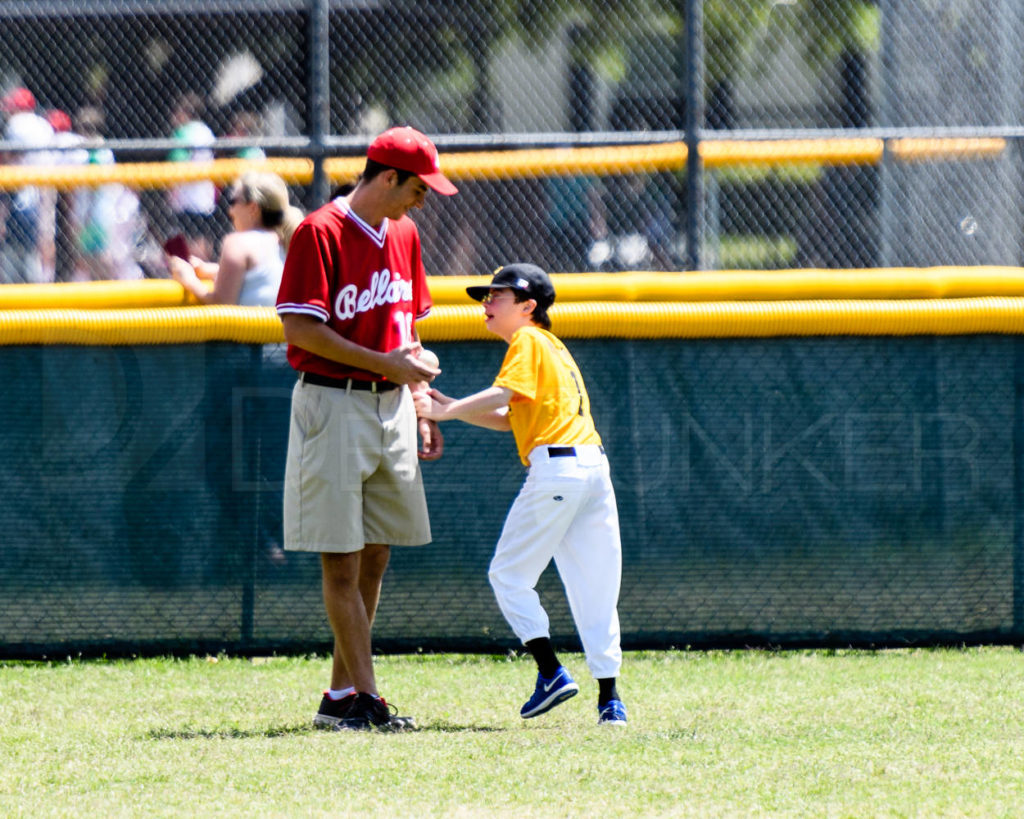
[432, 441]
[399, 366]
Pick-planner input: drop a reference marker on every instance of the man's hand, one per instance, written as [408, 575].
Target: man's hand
[402, 365]
[433, 440]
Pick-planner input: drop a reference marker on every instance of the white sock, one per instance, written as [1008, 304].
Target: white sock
[339, 693]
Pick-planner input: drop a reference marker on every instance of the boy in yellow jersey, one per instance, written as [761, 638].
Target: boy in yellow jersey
[566, 508]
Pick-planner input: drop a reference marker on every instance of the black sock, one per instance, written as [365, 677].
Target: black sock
[606, 691]
[544, 654]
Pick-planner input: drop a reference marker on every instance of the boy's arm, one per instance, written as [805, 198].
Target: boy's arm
[487, 408]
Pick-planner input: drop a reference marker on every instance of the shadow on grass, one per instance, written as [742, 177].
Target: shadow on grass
[229, 733]
[452, 728]
[293, 730]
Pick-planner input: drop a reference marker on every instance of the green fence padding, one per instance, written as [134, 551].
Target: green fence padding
[794, 491]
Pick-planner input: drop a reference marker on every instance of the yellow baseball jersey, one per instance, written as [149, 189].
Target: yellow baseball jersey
[550, 404]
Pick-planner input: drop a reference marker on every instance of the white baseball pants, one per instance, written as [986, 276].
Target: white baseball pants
[565, 510]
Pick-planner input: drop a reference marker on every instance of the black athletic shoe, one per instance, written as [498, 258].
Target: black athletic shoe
[370, 713]
[331, 711]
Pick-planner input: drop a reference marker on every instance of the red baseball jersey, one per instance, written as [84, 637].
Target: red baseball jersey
[368, 284]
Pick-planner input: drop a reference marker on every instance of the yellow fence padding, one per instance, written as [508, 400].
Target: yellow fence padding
[841, 151]
[765, 285]
[150, 175]
[636, 320]
[95, 295]
[175, 325]
[671, 156]
[651, 320]
[527, 163]
[726, 285]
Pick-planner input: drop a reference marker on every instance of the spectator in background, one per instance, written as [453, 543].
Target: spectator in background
[67, 151]
[65, 140]
[246, 123]
[193, 204]
[251, 257]
[573, 219]
[106, 220]
[28, 253]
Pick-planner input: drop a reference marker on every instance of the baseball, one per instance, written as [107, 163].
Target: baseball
[429, 357]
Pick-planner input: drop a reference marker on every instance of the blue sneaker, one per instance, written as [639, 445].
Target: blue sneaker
[549, 693]
[612, 712]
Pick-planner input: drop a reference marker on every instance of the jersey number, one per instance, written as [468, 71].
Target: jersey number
[567, 360]
[403, 322]
[579, 392]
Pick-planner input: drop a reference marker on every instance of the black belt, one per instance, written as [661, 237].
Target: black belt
[346, 383]
[565, 451]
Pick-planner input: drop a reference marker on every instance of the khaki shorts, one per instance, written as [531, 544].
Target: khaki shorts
[352, 476]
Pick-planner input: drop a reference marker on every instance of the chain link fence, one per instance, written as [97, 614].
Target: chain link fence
[764, 500]
[318, 78]
[781, 492]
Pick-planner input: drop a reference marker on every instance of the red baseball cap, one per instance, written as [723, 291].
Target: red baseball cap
[19, 99]
[59, 120]
[407, 149]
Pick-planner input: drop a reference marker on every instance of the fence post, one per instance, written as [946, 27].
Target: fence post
[319, 84]
[886, 218]
[1018, 489]
[694, 98]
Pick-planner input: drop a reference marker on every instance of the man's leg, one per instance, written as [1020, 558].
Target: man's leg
[372, 564]
[346, 613]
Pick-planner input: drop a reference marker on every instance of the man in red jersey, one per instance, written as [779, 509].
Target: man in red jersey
[352, 289]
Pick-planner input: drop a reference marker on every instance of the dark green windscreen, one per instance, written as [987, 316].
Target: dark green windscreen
[805, 491]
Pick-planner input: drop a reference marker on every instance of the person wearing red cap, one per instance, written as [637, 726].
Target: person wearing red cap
[29, 246]
[18, 100]
[408, 150]
[352, 288]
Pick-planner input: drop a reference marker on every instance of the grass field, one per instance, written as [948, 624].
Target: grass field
[746, 733]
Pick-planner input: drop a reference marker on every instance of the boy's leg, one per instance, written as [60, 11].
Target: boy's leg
[544, 655]
[533, 527]
[589, 561]
[536, 522]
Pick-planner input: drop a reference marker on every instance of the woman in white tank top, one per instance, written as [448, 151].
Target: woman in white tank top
[252, 256]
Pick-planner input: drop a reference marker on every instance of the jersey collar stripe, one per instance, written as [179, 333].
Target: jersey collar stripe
[306, 309]
[376, 236]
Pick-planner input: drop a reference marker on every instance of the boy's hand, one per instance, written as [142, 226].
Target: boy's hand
[430, 403]
[440, 397]
[424, 404]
